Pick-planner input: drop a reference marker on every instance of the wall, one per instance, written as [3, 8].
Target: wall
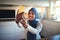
[10, 31]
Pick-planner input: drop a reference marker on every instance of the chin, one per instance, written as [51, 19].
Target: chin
[30, 20]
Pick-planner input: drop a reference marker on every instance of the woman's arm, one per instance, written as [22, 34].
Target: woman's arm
[35, 30]
[31, 29]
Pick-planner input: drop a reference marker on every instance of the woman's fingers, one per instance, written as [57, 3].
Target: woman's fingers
[23, 23]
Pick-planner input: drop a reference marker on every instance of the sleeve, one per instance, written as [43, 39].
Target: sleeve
[35, 30]
[20, 25]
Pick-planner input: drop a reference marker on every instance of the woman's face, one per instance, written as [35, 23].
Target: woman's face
[31, 15]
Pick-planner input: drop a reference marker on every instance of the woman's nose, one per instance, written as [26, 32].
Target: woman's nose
[30, 14]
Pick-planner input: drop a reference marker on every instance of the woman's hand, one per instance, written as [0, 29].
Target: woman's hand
[23, 22]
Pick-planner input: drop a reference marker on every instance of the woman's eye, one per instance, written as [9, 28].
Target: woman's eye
[32, 13]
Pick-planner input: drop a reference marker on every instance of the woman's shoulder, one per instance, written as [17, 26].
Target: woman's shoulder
[38, 20]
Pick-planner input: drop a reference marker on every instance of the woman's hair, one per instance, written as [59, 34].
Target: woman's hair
[19, 17]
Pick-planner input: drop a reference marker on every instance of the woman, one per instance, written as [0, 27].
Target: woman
[32, 26]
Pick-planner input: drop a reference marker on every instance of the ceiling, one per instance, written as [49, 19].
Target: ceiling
[25, 2]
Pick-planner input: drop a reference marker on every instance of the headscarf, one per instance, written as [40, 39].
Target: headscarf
[35, 12]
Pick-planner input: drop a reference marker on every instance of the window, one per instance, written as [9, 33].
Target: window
[55, 11]
[7, 14]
